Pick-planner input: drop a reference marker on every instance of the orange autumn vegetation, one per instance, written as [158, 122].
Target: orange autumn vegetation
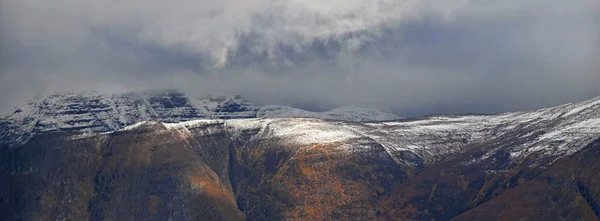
[211, 189]
[318, 187]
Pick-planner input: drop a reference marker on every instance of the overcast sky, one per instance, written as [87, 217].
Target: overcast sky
[415, 56]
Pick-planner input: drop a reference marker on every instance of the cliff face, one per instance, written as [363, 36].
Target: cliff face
[536, 165]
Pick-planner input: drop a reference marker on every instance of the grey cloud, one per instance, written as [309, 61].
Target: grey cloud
[435, 57]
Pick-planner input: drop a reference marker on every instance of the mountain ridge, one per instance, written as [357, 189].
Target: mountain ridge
[95, 112]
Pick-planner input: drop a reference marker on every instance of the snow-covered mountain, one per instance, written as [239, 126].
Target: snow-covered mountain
[94, 112]
[92, 157]
[555, 131]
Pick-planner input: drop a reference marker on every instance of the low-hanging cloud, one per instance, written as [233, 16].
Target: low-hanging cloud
[416, 56]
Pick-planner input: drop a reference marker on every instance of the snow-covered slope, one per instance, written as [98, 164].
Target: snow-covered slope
[547, 134]
[94, 112]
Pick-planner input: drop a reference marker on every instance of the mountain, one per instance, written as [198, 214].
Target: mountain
[94, 112]
[537, 165]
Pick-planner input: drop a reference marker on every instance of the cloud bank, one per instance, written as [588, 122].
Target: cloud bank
[416, 56]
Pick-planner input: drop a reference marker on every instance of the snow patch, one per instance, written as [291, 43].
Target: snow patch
[582, 107]
[191, 123]
[308, 131]
[138, 124]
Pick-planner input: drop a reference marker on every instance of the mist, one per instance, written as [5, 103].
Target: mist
[417, 57]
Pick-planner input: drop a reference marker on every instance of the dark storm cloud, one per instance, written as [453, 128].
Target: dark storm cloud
[418, 57]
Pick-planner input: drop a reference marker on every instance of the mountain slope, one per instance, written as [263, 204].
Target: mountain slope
[556, 194]
[438, 167]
